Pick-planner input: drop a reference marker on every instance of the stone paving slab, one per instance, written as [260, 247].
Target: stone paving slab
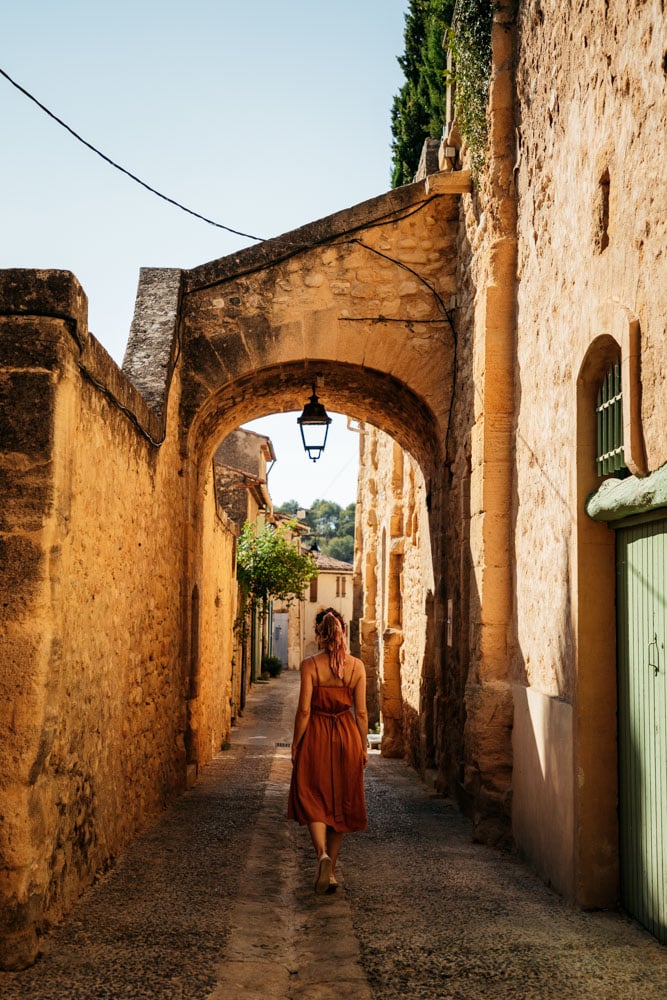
[216, 902]
[294, 958]
[442, 918]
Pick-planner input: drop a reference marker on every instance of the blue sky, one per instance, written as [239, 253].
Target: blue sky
[263, 116]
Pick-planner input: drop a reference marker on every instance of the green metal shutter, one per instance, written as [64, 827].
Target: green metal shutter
[609, 416]
[641, 551]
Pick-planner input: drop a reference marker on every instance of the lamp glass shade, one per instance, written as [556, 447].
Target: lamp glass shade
[314, 423]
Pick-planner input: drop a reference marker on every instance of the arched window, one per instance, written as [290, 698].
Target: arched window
[609, 452]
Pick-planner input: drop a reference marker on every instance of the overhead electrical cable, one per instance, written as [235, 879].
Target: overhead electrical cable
[117, 166]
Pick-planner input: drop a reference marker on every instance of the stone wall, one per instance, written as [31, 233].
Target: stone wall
[394, 551]
[94, 676]
[474, 697]
[210, 705]
[593, 122]
[592, 228]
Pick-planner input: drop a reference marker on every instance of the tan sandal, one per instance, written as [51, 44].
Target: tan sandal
[333, 885]
[323, 875]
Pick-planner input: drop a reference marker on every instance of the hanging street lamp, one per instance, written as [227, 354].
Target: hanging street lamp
[314, 423]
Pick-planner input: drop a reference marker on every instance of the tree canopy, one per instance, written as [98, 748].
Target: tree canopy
[331, 526]
[270, 563]
[418, 110]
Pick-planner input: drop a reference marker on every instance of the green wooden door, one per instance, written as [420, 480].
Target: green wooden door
[641, 556]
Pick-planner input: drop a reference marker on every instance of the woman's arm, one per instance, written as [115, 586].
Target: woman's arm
[360, 709]
[303, 709]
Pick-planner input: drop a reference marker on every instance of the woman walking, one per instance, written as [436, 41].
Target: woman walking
[329, 749]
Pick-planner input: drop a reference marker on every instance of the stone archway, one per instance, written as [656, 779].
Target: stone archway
[105, 523]
[358, 301]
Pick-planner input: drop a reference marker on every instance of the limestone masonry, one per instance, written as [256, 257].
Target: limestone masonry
[468, 324]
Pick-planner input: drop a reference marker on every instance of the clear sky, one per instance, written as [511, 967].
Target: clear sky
[263, 116]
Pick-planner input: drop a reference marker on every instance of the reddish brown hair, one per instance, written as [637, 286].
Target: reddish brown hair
[330, 628]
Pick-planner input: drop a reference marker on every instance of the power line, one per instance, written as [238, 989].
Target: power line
[340, 472]
[117, 166]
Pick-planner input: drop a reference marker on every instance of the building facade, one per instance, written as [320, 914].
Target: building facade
[331, 588]
[547, 706]
[507, 589]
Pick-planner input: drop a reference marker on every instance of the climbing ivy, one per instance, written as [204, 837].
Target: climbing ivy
[469, 38]
[418, 110]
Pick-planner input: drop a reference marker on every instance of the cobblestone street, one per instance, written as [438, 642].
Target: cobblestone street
[215, 901]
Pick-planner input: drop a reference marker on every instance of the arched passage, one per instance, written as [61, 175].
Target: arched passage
[358, 302]
[363, 395]
[114, 661]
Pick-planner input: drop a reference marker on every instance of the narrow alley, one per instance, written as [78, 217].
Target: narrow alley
[215, 901]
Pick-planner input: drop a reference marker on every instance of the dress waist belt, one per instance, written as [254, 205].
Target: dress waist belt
[337, 761]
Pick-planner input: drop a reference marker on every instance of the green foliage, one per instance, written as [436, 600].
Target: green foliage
[470, 41]
[346, 520]
[271, 565]
[290, 507]
[331, 525]
[341, 548]
[271, 665]
[323, 518]
[418, 110]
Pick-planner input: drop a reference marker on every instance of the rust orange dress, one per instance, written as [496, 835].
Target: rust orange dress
[328, 774]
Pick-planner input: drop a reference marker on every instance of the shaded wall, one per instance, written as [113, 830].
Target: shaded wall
[474, 699]
[394, 555]
[93, 679]
[211, 700]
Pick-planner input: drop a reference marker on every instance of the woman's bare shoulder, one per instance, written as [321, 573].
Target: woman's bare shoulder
[358, 669]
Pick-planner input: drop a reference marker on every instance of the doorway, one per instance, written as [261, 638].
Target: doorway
[641, 561]
[280, 619]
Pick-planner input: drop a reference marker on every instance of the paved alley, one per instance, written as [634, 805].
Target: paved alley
[215, 902]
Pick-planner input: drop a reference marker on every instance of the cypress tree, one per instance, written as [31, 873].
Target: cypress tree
[418, 110]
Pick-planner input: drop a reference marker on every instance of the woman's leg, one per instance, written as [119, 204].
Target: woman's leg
[318, 835]
[334, 840]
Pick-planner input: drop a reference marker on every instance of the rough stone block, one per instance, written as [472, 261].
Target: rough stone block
[501, 90]
[28, 342]
[352, 340]
[153, 334]
[320, 334]
[26, 292]
[493, 651]
[27, 405]
[27, 493]
[496, 595]
[490, 713]
[22, 575]
[18, 950]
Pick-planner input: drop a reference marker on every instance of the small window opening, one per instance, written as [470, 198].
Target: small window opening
[602, 221]
[313, 590]
[342, 586]
[610, 456]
